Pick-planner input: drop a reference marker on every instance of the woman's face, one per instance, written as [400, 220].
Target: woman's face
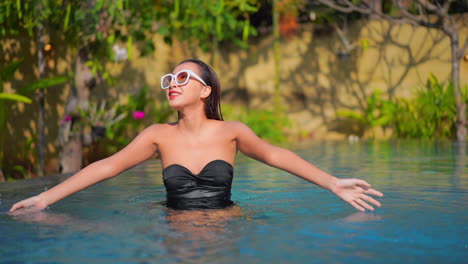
[191, 92]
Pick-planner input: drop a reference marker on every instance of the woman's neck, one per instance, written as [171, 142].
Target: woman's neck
[192, 121]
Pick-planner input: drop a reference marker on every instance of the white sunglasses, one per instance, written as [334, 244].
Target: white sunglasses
[181, 78]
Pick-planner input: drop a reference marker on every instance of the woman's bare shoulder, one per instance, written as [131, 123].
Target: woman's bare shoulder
[159, 129]
[162, 126]
[234, 124]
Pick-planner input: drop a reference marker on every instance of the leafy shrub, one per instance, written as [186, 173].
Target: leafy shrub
[140, 111]
[378, 112]
[267, 124]
[432, 113]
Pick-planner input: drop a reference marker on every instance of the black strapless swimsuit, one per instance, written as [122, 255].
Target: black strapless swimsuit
[210, 189]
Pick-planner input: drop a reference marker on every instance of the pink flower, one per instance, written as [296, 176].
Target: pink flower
[67, 118]
[138, 114]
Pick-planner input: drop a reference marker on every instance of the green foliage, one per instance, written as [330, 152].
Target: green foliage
[99, 115]
[21, 170]
[97, 25]
[378, 112]
[365, 44]
[7, 71]
[209, 21]
[100, 24]
[6, 74]
[162, 112]
[430, 114]
[23, 165]
[15, 97]
[121, 133]
[42, 84]
[267, 124]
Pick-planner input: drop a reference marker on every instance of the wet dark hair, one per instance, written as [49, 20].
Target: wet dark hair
[213, 102]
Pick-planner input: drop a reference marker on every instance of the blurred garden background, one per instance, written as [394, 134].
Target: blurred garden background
[80, 79]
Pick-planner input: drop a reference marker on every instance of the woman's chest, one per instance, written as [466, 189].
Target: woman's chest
[195, 153]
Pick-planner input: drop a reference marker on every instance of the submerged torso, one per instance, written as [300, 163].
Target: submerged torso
[209, 189]
[198, 170]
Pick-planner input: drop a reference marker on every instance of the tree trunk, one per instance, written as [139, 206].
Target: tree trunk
[71, 133]
[2, 133]
[276, 54]
[376, 6]
[41, 117]
[71, 157]
[460, 104]
[71, 136]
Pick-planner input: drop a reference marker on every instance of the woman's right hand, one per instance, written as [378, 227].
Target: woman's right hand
[140, 149]
[35, 203]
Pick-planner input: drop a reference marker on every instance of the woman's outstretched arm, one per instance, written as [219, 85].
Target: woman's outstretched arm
[140, 149]
[354, 191]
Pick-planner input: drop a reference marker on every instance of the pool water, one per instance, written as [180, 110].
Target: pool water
[279, 219]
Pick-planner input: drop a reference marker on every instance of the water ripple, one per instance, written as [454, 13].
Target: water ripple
[285, 219]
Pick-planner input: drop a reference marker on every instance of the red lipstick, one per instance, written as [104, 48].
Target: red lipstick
[173, 94]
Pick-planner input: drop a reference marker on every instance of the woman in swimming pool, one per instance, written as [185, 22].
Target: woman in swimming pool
[198, 152]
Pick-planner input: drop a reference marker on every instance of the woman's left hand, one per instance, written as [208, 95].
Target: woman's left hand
[356, 192]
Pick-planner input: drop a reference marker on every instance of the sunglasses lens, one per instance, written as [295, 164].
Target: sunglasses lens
[182, 78]
[166, 81]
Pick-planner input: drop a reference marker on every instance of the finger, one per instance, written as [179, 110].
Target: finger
[16, 206]
[374, 192]
[365, 205]
[357, 206]
[23, 210]
[363, 183]
[371, 200]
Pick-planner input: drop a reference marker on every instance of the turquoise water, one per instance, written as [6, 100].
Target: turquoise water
[284, 219]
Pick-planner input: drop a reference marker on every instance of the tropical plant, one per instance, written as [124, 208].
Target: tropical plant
[15, 97]
[23, 166]
[209, 22]
[98, 115]
[431, 113]
[270, 125]
[378, 112]
[140, 111]
[136, 108]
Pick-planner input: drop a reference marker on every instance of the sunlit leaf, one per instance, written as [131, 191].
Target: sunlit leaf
[15, 97]
[7, 72]
[67, 17]
[43, 84]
